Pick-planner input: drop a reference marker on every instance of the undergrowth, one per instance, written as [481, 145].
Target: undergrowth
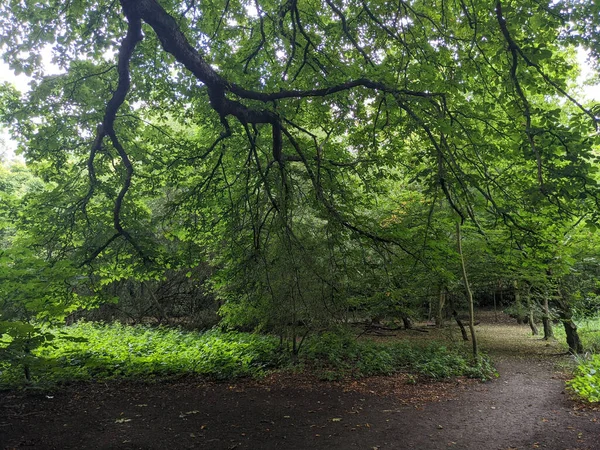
[586, 378]
[93, 351]
[105, 351]
[586, 382]
[336, 355]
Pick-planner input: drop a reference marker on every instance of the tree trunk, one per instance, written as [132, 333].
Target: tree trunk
[518, 303]
[531, 319]
[534, 329]
[566, 316]
[547, 323]
[407, 322]
[468, 290]
[573, 340]
[26, 367]
[461, 326]
[439, 317]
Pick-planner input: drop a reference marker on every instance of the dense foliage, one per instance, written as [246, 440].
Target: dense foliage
[586, 383]
[91, 352]
[297, 165]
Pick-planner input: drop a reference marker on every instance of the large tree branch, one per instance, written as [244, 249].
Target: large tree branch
[174, 41]
[513, 49]
[106, 128]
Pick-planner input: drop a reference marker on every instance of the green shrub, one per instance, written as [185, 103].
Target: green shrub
[340, 353]
[99, 351]
[586, 383]
[92, 351]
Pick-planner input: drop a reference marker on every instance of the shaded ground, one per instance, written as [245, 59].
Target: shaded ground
[525, 408]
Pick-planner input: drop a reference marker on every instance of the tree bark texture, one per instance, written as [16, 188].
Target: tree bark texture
[546, 322]
[468, 290]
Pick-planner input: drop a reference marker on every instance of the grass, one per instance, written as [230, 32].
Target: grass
[92, 351]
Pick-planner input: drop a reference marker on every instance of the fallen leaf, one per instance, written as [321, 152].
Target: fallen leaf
[123, 420]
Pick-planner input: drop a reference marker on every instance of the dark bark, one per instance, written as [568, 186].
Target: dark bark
[573, 340]
[174, 42]
[407, 321]
[546, 322]
[461, 326]
[566, 316]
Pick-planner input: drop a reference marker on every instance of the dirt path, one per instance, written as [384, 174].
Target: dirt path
[526, 408]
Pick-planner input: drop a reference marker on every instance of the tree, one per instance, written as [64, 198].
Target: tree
[240, 112]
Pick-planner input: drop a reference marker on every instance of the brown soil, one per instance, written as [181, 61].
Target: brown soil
[526, 408]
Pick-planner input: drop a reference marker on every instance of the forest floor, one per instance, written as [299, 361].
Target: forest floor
[525, 408]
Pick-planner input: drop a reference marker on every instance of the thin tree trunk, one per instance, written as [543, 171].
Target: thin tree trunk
[468, 289]
[534, 329]
[439, 317]
[27, 352]
[546, 322]
[495, 307]
[531, 318]
[518, 303]
[461, 326]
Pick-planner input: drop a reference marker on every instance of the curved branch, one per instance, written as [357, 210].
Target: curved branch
[333, 210]
[514, 48]
[174, 41]
[346, 30]
[106, 128]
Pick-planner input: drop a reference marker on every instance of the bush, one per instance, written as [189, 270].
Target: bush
[100, 351]
[92, 351]
[339, 354]
[586, 383]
